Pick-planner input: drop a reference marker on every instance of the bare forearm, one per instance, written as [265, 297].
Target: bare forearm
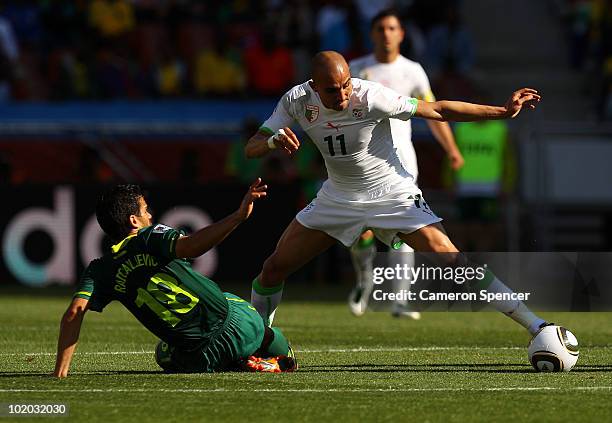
[465, 112]
[203, 240]
[66, 344]
[460, 111]
[257, 146]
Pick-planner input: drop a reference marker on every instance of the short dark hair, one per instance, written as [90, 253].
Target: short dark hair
[385, 13]
[114, 208]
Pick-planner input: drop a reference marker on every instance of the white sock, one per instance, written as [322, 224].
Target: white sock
[266, 300]
[363, 263]
[515, 309]
[404, 256]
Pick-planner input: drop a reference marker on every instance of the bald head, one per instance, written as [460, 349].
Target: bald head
[329, 63]
[331, 79]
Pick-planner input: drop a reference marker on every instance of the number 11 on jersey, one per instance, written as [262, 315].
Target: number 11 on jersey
[330, 144]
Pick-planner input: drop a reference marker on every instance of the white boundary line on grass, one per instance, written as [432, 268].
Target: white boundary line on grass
[307, 351]
[341, 390]
[329, 350]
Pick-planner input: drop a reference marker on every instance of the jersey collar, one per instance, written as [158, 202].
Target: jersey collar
[115, 248]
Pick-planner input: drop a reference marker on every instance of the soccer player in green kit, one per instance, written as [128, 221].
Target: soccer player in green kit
[201, 328]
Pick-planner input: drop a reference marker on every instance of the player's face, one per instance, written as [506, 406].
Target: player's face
[387, 35]
[335, 92]
[144, 218]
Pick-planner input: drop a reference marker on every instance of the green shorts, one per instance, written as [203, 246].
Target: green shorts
[240, 336]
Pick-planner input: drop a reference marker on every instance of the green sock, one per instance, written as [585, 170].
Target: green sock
[279, 345]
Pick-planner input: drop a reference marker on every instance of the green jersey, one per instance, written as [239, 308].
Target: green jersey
[176, 303]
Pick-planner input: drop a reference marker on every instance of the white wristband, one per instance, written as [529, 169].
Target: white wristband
[271, 144]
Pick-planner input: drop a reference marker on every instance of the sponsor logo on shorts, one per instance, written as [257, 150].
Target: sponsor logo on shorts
[421, 204]
[308, 208]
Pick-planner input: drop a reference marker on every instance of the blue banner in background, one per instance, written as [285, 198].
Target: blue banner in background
[220, 118]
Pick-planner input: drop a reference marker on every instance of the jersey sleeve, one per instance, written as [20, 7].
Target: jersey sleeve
[86, 289]
[281, 117]
[386, 103]
[422, 90]
[160, 240]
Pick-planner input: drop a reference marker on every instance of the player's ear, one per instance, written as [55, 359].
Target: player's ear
[134, 221]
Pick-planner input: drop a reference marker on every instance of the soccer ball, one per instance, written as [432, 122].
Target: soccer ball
[553, 349]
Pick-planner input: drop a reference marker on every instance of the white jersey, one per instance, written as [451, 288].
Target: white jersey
[356, 143]
[407, 78]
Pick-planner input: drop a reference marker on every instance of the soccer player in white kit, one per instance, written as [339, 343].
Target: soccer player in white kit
[387, 66]
[349, 120]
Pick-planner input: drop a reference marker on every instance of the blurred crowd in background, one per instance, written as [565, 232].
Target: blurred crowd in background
[135, 49]
[588, 25]
[141, 49]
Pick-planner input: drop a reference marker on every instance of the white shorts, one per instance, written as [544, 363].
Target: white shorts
[399, 210]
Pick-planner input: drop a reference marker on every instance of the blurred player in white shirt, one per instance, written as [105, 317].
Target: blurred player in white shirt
[387, 66]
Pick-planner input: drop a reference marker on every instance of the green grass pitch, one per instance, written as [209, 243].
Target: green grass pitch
[447, 367]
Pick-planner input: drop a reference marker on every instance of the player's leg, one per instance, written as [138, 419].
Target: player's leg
[404, 257]
[362, 255]
[275, 343]
[275, 354]
[257, 347]
[433, 238]
[242, 336]
[177, 360]
[296, 247]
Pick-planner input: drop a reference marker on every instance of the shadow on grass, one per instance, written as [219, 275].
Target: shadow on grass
[441, 368]
[354, 368]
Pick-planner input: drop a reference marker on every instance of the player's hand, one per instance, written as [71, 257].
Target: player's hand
[256, 190]
[525, 97]
[455, 160]
[287, 142]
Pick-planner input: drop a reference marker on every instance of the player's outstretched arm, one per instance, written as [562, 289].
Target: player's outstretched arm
[465, 112]
[70, 328]
[262, 143]
[203, 240]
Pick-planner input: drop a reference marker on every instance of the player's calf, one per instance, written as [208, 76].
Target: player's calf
[517, 310]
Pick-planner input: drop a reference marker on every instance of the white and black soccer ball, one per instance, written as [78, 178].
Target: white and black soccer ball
[553, 349]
